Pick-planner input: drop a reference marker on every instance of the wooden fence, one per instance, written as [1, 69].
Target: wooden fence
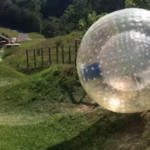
[52, 55]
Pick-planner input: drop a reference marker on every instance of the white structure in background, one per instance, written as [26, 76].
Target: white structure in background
[13, 40]
[4, 41]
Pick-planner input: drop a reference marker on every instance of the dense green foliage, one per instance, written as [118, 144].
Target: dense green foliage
[138, 3]
[53, 17]
[58, 17]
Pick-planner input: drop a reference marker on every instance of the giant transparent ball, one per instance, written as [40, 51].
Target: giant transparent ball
[113, 61]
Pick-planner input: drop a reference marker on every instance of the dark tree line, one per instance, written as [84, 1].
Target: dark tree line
[52, 17]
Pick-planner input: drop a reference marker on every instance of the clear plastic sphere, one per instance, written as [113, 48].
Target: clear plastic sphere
[113, 61]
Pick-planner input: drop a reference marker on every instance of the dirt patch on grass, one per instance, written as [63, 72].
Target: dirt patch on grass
[86, 108]
[134, 136]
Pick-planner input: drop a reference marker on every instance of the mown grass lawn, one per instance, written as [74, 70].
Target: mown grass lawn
[91, 130]
[52, 131]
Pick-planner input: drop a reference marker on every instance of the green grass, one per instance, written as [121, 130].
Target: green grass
[42, 135]
[30, 114]
[12, 33]
[41, 112]
[9, 72]
[20, 49]
[70, 131]
[9, 32]
[16, 56]
[1, 59]
[44, 111]
[36, 36]
[66, 40]
[9, 76]
[36, 93]
[39, 88]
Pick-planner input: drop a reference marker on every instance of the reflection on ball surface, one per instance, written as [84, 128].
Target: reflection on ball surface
[113, 61]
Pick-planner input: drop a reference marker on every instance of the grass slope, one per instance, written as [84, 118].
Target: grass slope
[32, 105]
[9, 76]
[36, 36]
[41, 112]
[9, 72]
[66, 40]
[42, 135]
[8, 32]
[19, 50]
[12, 33]
[44, 112]
[38, 90]
[16, 56]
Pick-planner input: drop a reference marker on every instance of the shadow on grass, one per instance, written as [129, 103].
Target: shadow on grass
[96, 136]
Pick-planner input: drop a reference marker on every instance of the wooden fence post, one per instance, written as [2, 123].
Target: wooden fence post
[57, 55]
[49, 56]
[27, 58]
[63, 55]
[76, 49]
[38, 52]
[42, 56]
[34, 58]
[69, 55]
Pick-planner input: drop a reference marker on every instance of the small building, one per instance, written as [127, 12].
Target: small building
[4, 41]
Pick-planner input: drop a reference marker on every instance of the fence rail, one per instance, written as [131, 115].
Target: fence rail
[52, 55]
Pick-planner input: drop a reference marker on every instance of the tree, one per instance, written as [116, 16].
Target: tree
[51, 27]
[84, 24]
[138, 3]
[130, 4]
[32, 5]
[108, 6]
[78, 10]
[55, 7]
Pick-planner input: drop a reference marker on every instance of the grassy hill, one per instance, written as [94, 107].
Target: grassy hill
[42, 111]
[47, 111]
[9, 76]
[16, 56]
[32, 105]
[13, 33]
[36, 36]
[66, 40]
[8, 32]
[9, 72]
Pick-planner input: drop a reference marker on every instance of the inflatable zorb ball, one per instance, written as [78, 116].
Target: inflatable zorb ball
[113, 61]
